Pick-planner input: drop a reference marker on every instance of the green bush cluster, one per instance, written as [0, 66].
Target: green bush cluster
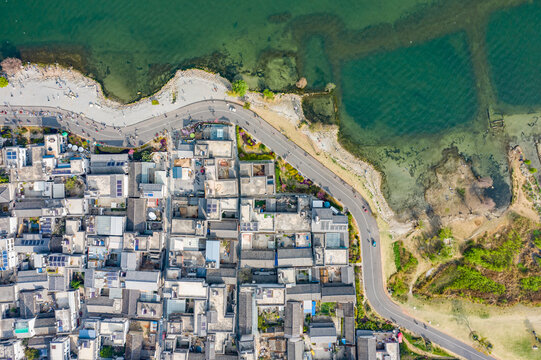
[471, 279]
[71, 183]
[497, 259]
[239, 88]
[403, 259]
[354, 246]
[31, 353]
[267, 94]
[405, 264]
[3, 82]
[531, 283]
[106, 351]
[537, 238]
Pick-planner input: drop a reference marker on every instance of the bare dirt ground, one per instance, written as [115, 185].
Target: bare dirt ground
[508, 329]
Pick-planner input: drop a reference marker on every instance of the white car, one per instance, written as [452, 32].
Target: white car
[232, 108]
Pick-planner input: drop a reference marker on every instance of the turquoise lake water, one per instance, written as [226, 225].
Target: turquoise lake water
[401, 102]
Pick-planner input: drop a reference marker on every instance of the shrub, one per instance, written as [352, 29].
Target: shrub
[404, 260]
[396, 251]
[497, 259]
[239, 88]
[71, 183]
[155, 102]
[398, 286]
[106, 351]
[445, 233]
[533, 170]
[527, 161]
[3, 82]
[31, 353]
[537, 242]
[532, 283]
[471, 279]
[246, 105]
[267, 94]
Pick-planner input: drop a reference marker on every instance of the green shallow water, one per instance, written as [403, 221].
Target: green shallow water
[406, 70]
[130, 43]
[419, 90]
[514, 53]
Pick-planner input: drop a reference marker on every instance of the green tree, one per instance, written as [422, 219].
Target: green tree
[267, 94]
[3, 82]
[106, 351]
[445, 233]
[146, 156]
[31, 353]
[71, 183]
[239, 88]
[75, 284]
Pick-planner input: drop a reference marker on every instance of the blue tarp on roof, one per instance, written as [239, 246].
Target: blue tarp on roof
[177, 172]
[212, 253]
[87, 334]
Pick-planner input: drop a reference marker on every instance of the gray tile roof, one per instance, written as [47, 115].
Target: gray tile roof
[293, 319]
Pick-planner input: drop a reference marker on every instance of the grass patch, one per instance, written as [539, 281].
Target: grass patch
[354, 240]
[327, 309]
[424, 345]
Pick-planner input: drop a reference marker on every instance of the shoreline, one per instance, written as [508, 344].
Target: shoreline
[69, 89]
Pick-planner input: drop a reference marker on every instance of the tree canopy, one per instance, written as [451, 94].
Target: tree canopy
[3, 82]
[239, 88]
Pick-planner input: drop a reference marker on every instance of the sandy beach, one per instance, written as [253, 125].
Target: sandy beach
[70, 90]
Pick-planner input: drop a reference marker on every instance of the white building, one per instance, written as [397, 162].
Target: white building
[15, 157]
[8, 255]
[59, 348]
[12, 349]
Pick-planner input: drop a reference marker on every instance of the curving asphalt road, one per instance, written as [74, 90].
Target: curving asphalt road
[305, 163]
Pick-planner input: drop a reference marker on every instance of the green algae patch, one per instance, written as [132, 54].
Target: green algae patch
[320, 108]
